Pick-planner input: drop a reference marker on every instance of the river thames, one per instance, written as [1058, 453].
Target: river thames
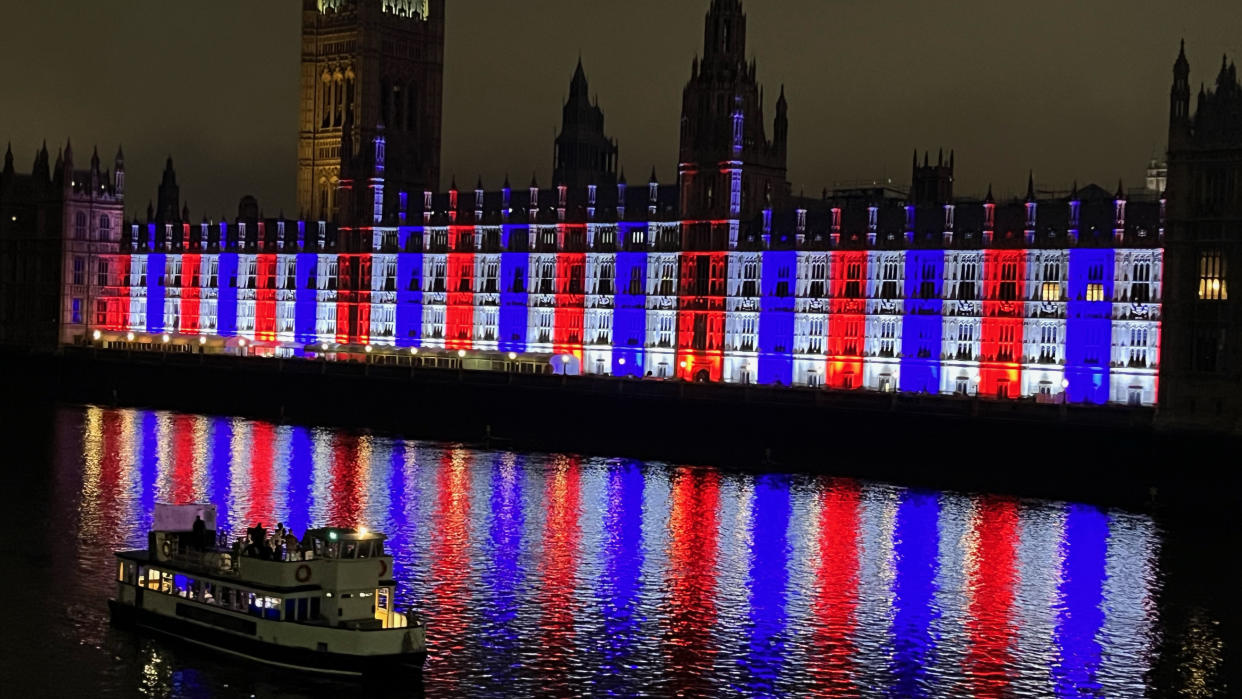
[558, 575]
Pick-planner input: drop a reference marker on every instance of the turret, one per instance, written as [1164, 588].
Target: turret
[118, 185]
[1179, 99]
[40, 173]
[64, 165]
[169, 195]
[780, 130]
[96, 175]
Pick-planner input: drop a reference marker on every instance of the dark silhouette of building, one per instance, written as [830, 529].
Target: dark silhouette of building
[371, 98]
[1202, 367]
[55, 223]
[728, 167]
[584, 155]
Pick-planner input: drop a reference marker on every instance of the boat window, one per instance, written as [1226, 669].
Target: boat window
[142, 576]
[382, 598]
[314, 608]
[303, 604]
[351, 549]
[364, 549]
[127, 572]
[181, 585]
[334, 549]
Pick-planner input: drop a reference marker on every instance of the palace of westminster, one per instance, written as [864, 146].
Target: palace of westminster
[723, 275]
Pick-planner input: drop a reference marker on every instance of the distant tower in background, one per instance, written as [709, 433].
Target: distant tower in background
[932, 184]
[372, 72]
[584, 155]
[1157, 176]
[728, 168]
[1201, 367]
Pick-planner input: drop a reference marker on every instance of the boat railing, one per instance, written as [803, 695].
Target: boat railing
[216, 561]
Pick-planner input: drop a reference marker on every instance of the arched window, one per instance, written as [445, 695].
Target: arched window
[79, 227]
[105, 223]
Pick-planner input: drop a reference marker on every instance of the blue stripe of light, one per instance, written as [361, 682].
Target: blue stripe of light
[915, 548]
[1080, 614]
[769, 579]
[922, 327]
[629, 316]
[776, 317]
[1088, 327]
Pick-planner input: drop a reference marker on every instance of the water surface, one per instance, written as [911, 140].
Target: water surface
[555, 575]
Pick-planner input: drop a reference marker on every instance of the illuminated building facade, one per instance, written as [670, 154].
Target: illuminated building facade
[1049, 297]
[1204, 364]
[1057, 297]
[372, 71]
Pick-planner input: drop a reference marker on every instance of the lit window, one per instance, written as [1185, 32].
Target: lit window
[1212, 282]
[1095, 292]
[1051, 291]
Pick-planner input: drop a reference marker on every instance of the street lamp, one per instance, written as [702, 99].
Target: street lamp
[165, 338]
[129, 336]
[461, 353]
[96, 335]
[512, 356]
[202, 339]
[369, 349]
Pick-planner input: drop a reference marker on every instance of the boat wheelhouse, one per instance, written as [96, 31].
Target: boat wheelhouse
[324, 603]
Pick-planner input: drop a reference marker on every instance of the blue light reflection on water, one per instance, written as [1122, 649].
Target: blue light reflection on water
[769, 577]
[549, 573]
[915, 551]
[1080, 613]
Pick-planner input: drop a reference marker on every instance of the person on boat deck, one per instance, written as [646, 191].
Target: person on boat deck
[291, 547]
[198, 536]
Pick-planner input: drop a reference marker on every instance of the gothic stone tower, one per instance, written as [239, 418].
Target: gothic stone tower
[729, 168]
[584, 154]
[1201, 367]
[371, 70]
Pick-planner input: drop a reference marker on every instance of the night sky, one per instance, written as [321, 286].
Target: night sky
[1071, 89]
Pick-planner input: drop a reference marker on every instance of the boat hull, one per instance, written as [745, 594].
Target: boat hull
[302, 659]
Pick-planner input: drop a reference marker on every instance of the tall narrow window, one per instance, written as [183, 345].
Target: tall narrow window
[338, 88]
[1212, 281]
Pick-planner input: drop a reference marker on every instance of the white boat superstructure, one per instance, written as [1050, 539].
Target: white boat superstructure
[323, 603]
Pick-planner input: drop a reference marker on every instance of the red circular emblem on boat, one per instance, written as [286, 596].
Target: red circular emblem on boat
[383, 567]
[303, 574]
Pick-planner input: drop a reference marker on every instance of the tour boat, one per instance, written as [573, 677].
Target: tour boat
[324, 604]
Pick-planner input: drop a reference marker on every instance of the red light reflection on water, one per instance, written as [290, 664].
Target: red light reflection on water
[693, 525]
[184, 479]
[259, 506]
[450, 566]
[345, 502]
[835, 600]
[558, 569]
[989, 661]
